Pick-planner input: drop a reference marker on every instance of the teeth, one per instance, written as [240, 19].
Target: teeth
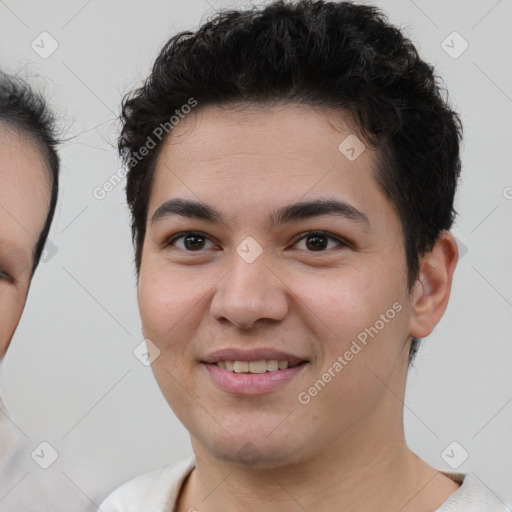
[241, 366]
[258, 366]
[270, 365]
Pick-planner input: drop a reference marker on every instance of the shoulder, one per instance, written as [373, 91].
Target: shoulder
[155, 491]
[473, 496]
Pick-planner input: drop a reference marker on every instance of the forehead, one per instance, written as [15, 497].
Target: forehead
[24, 194]
[287, 147]
[287, 131]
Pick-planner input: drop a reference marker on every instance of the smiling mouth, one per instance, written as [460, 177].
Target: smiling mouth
[263, 366]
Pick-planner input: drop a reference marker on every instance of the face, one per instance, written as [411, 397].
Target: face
[324, 288]
[24, 198]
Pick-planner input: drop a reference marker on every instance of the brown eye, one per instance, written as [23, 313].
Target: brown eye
[317, 241]
[192, 241]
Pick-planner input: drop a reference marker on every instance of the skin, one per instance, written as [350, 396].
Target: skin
[24, 202]
[345, 449]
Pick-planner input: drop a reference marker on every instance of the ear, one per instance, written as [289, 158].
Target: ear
[432, 289]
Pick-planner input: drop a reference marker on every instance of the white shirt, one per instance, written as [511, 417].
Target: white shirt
[158, 490]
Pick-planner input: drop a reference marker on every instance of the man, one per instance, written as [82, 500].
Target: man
[29, 174]
[258, 136]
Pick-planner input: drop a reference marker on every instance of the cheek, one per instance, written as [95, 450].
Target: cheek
[11, 307]
[364, 322]
[169, 301]
[165, 307]
[346, 303]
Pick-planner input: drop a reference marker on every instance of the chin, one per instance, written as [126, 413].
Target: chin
[252, 452]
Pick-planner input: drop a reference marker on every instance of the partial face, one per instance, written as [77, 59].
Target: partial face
[324, 289]
[24, 198]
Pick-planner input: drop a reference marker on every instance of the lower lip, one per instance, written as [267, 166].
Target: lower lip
[252, 383]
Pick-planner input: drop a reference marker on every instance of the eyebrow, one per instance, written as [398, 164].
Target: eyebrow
[283, 215]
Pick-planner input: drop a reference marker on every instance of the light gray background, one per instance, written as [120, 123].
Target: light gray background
[70, 377]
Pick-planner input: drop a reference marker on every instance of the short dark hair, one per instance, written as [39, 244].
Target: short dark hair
[24, 110]
[318, 53]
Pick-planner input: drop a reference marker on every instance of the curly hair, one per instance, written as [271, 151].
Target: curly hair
[25, 111]
[339, 55]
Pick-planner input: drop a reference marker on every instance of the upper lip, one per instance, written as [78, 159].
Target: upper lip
[259, 354]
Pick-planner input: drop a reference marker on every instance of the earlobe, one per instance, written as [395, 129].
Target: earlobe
[432, 290]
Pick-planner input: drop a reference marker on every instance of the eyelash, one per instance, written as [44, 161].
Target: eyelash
[178, 236]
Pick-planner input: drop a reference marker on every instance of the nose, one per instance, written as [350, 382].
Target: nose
[250, 292]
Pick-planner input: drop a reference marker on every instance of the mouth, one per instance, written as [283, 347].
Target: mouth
[256, 367]
[252, 372]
